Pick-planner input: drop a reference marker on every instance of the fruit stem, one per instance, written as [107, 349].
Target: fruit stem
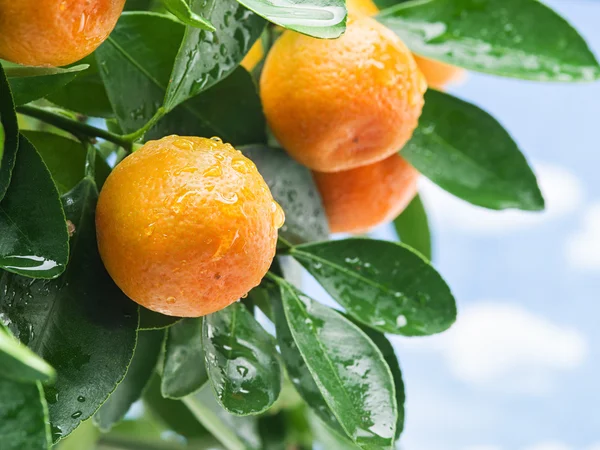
[74, 127]
[139, 134]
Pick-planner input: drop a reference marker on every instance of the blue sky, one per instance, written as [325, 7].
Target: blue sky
[520, 369]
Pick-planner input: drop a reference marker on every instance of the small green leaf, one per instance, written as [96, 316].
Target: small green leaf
[140, 370]
[296, 368]
[412, 227]
[206, 57]
[347, 367]
[241, 361]
[21, 364]
[293, 188]
[512, 38]
[33, 231]
[23, 416]
[384, 285]
[467, 152]
[151, 320]
[184, 370]
[317, 18]
[80, 323]
[32, 83]
[86, 94]
[65, 159]
[10, 132]
[181, 10]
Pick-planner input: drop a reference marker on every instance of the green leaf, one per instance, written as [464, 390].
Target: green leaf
[80, 323]
[346, 366]
[512, 38]
[206, 57]
[293, 188]
[141, 368]
[10, 132]
[151, 320]
[384, 285]
[181, 10]
[23, 416]
[297, 369]
[328, 438]
[412, 227]
[86, 94]
[34, 241]
[234, 432]
[272, 430]
[230, 110]
[136, 63]
[389, 355]
[318, 18]
[21, 364]
[31, 83]
[65, 159]
[466, 151]
[241, 361]
[184, 370]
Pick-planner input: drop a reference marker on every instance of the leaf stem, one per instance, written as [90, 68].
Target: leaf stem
[74, 127]
[139, 134]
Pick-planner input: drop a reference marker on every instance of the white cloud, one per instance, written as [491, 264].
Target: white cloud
[561, 188]
[550, 445]
[583, 247]
[503, 346]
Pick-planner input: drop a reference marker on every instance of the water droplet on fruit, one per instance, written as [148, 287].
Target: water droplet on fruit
[278, 215]
[183, 144]
[240, 165]
[217, 139]
[149, 230]
[213, 171]
[229, 198]
[171, 300]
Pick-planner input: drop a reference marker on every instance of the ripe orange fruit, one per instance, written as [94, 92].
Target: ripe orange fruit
[437, 74]
[54, 32]
[187, 225]
[342, 103]
[359, 199]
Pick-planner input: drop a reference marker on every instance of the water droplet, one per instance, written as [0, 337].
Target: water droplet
[149, 230]
[213, 171]
[228, 198]
[242, 370]
[183, 144]
[171, 300]
[401, 321]
[217, 139]
[240, 165]
[76, 414]
[278, 215]
[81, 399]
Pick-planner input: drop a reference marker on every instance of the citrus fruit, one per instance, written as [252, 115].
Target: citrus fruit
[437, 74]
[359, 199]
[54, 32]
[342, 103]
[187, 225]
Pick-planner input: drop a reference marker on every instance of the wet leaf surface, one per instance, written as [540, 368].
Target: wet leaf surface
[80, 323]
[513, 38]
[241, 361]
[10, 134]
[151, 320]
[19, 363]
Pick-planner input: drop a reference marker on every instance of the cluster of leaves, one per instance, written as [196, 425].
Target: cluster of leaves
[73, 347]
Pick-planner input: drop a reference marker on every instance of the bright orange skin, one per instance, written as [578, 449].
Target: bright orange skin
[358, 200]
[54, 32]
[187, 226]
[253, 57]
[342, 103]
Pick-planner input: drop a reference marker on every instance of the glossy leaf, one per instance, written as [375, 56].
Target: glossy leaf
[347, 367]
[23, 416]
[65, 159]
[151, 320]
[32, 83]
[467, 152]
[297, 369]
[318, 18]
[412, 227]
[234, 432]
[136, 63]
[389, 355]
[293, 188]
[384, 285]
[206, 57]
[33, 231]
[181, 10]
[230, 110]
[328, 438]
[141, 368]
[241, 361]
[80, 323]
[184, 370]
[512, 38]
[10, 132]
[19, 363]
[86, 94]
